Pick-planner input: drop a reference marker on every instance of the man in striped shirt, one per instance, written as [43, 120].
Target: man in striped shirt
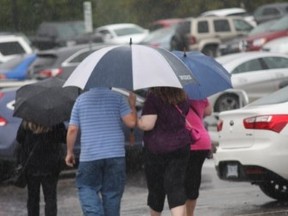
[98, 114]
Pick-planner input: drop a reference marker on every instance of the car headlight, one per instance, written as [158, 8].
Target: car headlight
[259, 42]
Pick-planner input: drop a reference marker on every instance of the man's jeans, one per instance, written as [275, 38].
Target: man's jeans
[101, 185]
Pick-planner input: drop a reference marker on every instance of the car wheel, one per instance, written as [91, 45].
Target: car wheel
[211, 50]
[227, 102]
[275, 189]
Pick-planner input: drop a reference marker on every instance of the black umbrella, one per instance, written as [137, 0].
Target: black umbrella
[46, 102]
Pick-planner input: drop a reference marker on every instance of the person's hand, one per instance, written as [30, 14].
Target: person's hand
[132, 99]
[70, 160]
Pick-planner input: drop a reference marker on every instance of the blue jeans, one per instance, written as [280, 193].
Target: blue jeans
[101, 185]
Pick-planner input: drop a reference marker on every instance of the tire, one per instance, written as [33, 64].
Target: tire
[275, 189]
[210, 51]
[227, 102]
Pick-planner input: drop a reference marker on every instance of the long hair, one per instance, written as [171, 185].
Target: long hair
[169, 95]
[35, 128]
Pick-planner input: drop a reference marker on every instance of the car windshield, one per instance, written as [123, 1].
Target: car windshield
[279, 96]
[160, 33]
[70, 30]
[281, 24]
[261, 28]
[128, 31]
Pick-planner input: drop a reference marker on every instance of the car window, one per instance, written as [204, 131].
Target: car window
[79, 58]
[276, 62]
[279, 96]
[203, 27]
[11, 48]
[270, 11]
[242, 26]
[43, 61]
[253, 65]
[128, 31]
[221, 25]
[104, 32]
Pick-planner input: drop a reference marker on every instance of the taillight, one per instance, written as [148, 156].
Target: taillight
[219, 125]
[50, 72]
[191, 40]
[2, 76]
[3, 122]
[266, 122]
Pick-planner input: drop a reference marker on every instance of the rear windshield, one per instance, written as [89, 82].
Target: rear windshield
[128, 31]
[11, 48]
[279, 96]
[44, 61]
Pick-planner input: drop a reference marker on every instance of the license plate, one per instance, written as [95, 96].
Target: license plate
[232, 171]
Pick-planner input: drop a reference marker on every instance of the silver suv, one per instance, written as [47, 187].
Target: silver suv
[205, 34]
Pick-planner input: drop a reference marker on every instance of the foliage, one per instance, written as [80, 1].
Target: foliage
[26, 15]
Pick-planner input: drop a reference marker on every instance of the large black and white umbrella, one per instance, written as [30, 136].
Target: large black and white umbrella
[130, 67]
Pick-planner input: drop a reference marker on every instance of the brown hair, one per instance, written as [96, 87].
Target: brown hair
[35, 128]
[169, 95]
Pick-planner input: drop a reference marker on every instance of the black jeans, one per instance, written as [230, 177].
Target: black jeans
[49, 187]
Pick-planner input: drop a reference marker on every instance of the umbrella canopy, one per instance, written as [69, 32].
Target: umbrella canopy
[212, 77]
[46, 102]
[130, 67]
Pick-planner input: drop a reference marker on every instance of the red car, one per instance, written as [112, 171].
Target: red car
[277, 30]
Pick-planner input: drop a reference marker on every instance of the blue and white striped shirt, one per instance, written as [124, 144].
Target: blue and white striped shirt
[98, 114]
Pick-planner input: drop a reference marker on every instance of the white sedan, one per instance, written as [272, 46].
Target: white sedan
[253, 144]
[121, 33]
[254, 73]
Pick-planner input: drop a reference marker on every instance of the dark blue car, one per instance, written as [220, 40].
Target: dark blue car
[9, 126]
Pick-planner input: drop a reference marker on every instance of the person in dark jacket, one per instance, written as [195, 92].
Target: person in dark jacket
[44, 165]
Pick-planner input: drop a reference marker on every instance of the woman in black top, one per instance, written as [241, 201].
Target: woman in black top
[44, 166]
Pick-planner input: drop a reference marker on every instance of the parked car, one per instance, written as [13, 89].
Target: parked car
[9, 126]
[17, 67]
[279, 45]
[59, 34]
[277, 30]
[12, 45]
[238, 44]
[272, 11]
[121, 33]
[231, 12]
[253, 145]
[58, 62]
[164, 23]
[61, 61]
[205, 34]
[255, 73]
[160, 38]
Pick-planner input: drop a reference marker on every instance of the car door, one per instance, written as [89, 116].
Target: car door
[252, 77]
[260, 76]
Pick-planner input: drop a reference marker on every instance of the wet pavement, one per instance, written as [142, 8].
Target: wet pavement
[217, 198]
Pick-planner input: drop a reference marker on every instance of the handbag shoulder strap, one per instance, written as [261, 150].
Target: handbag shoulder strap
[180, 111]
[29, 156]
